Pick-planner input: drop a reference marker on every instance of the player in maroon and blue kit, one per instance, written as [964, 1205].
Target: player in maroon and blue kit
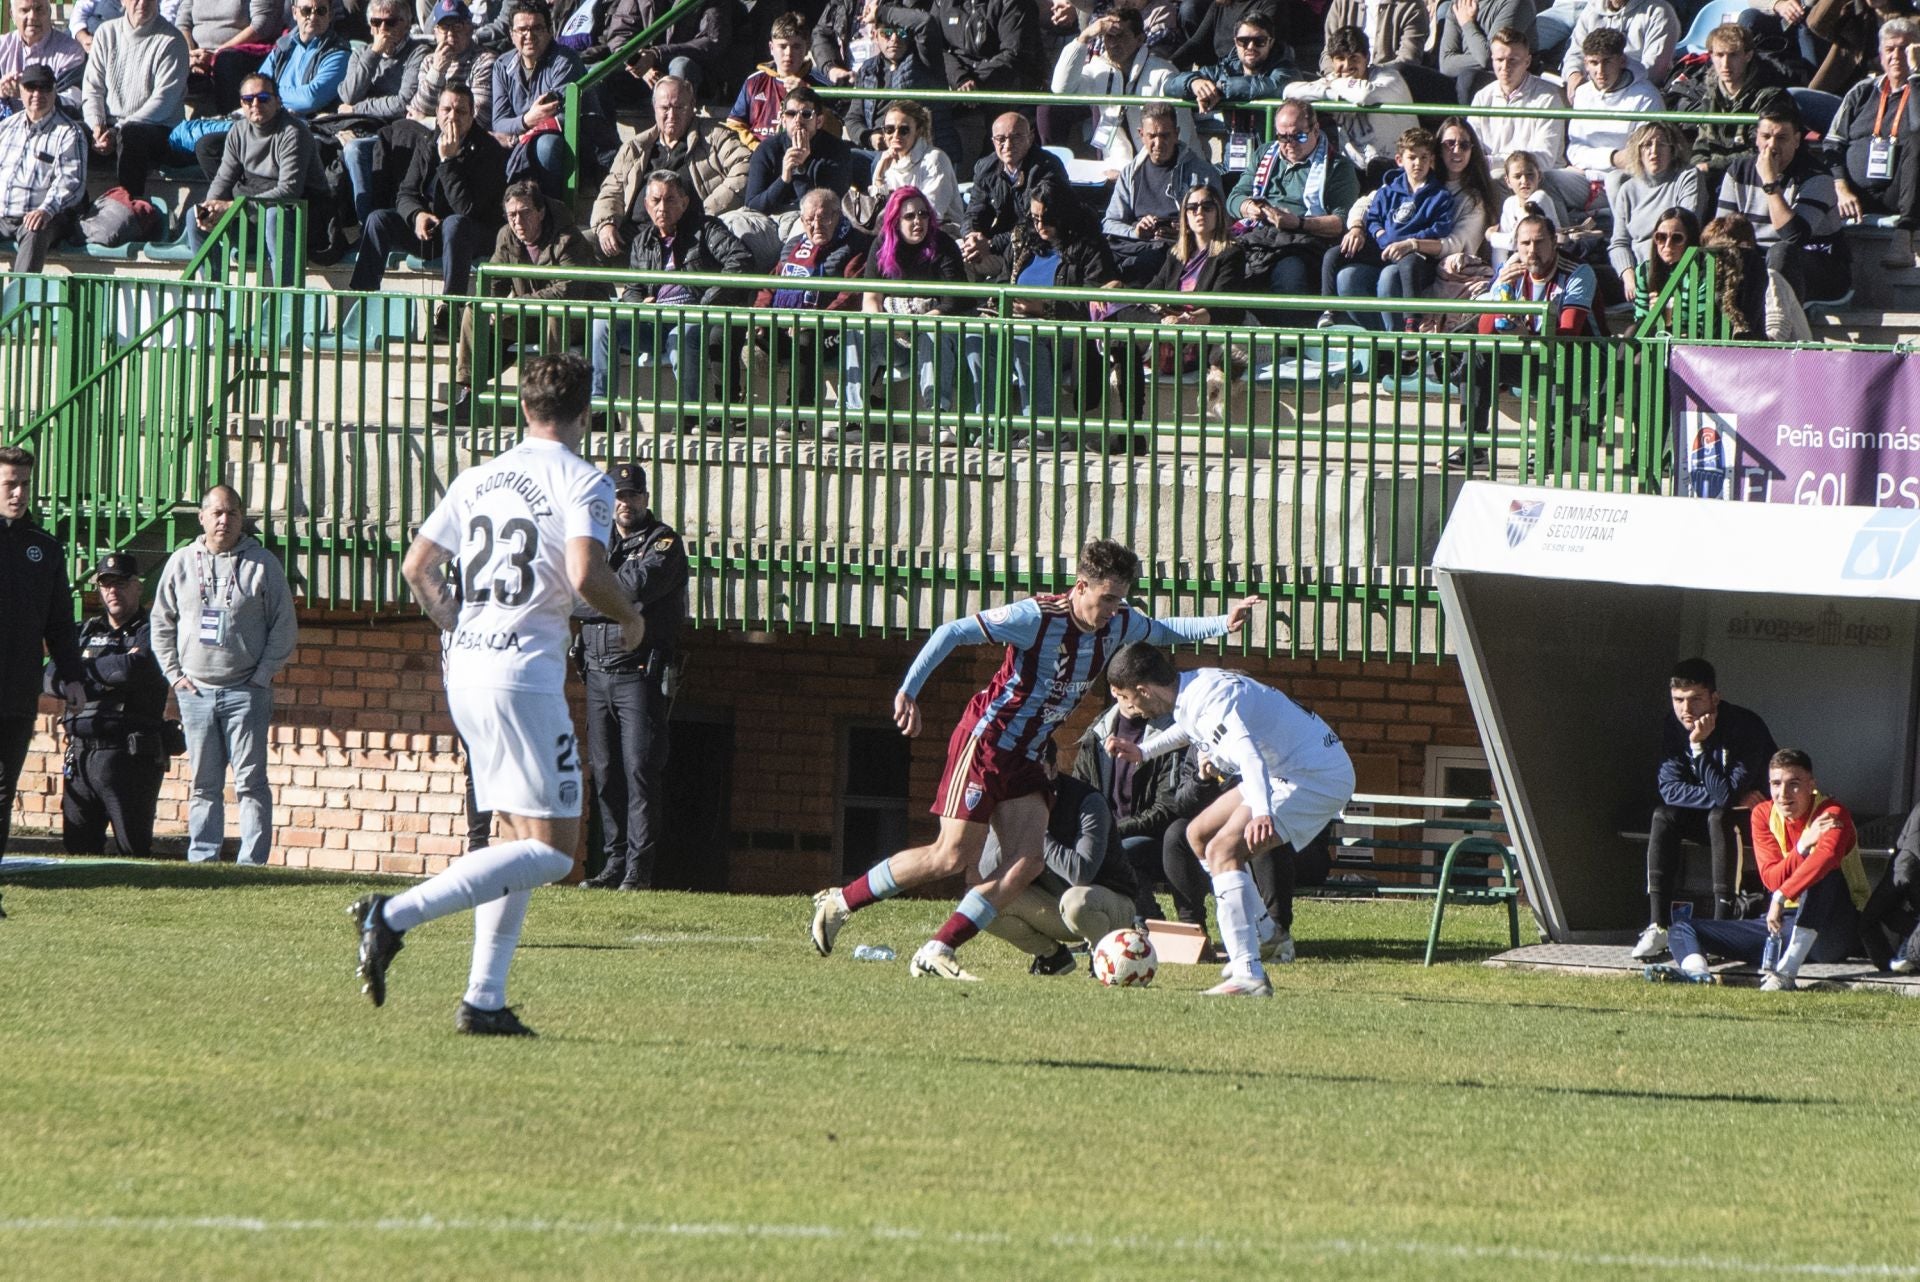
[1057, 647]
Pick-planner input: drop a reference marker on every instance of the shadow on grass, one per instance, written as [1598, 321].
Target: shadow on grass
[1757, 1098]
[168, 875]
[1371, 950]
[1760, 1099]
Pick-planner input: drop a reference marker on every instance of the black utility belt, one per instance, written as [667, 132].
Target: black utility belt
[141, 743]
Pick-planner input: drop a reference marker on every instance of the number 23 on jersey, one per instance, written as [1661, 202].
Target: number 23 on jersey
[499, 570]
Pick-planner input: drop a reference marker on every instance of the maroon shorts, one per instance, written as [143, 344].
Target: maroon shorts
[979, 777]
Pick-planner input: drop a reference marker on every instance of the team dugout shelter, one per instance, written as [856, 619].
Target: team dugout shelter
[1569, 609]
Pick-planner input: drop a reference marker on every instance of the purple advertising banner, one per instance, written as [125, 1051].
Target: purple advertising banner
[1799, 425]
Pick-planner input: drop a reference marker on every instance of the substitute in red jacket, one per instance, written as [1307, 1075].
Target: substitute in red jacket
[1809, 858]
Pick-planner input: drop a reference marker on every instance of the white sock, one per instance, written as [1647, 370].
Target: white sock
[1799, 944]
[1239, 908]
[1264, 926]
[496, 932]
[475, 879]
[1694, 964]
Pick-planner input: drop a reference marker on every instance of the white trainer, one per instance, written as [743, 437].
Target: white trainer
[1775, 982]
[1275, 950]
[1653, 942]
[936, 961]
[1241, 986]
[829, 915]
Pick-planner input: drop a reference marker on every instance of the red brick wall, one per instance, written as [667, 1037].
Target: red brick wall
[791, 695]
[363, 762]
[366, 771]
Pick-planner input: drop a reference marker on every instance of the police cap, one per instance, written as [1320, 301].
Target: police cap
[117, 565]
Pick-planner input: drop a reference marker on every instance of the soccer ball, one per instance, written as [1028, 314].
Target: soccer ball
[1125, 959]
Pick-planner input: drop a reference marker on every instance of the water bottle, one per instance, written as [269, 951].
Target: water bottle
[868, 952]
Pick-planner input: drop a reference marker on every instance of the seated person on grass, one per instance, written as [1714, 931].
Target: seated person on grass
[1086, 890]
[1713, 758]
[1142, 798]
[1810, 859]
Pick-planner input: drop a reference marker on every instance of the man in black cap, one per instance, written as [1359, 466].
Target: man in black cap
[116, 741]
[626, 701]
[43, 170]
[36, 615]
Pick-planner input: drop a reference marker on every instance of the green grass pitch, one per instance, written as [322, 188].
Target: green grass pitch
[191, 1086]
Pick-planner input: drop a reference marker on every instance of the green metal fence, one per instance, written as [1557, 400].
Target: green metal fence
[1313, 466]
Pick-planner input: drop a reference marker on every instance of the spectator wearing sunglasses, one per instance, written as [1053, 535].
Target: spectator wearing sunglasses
[897, 64]
[1261, 67]
[309, 63]
[756, 110]
[908, 159]
[34, 40]
[797, 159]
[382, 78]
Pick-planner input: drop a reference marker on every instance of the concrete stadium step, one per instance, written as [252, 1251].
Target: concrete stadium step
[1867, 325]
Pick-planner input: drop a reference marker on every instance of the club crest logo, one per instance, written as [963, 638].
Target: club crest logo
[1522, 516]
[569, 793]
[975, 794]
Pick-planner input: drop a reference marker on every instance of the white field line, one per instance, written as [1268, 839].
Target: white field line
[694, 937]
[428, 1224]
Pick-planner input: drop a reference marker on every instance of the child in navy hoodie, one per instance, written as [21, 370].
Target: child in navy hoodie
[1396, 253]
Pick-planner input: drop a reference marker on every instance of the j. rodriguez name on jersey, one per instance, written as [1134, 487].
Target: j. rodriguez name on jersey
[509, 521]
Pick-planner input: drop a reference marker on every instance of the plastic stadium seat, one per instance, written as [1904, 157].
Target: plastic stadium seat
[30, 289]
[176, 250]
[1817, 108]
[368, 325]
[1716, 13]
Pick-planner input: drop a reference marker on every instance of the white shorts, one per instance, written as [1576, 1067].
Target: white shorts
[1303, 805]
[521, 749]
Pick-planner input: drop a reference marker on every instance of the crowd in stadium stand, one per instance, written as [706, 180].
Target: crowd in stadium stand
[405, 129]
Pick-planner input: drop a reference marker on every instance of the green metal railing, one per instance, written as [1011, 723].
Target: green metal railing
[600, 71]
[619, 58]
[1309, 465]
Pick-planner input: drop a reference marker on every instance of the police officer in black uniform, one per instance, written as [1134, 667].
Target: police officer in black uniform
[36, 615]
[117, 741]
[626, 699]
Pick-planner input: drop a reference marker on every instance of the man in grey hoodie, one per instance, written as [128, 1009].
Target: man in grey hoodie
[223, 627]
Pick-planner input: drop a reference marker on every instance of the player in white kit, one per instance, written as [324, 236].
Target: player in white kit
[1295, 777]
[522, 535]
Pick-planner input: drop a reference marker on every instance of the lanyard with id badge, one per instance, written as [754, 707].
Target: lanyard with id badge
[1880, 150]
[214, 618]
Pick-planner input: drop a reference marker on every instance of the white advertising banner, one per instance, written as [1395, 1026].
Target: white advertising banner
[1653, 540]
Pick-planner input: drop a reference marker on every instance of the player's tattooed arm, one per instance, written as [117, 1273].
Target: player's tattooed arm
[425, 571]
